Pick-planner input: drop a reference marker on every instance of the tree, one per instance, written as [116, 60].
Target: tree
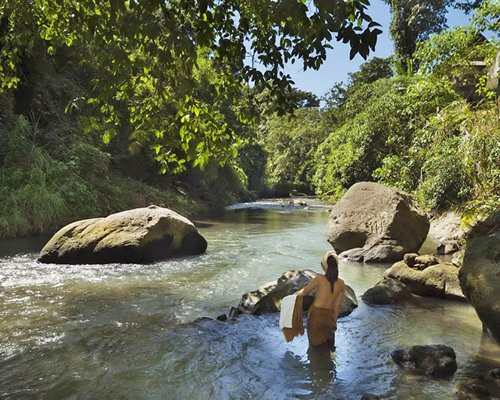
[413, 21]
[372, 70]
[469, 5]
[150, 55]
[369, 72]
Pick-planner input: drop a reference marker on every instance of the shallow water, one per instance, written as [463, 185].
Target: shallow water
[131, 331]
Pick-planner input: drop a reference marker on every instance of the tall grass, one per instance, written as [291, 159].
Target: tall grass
[30, 197]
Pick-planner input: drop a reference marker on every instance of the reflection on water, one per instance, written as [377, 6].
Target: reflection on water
[321, 365]
[134, 331]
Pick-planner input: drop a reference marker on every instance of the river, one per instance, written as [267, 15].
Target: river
[122, 331]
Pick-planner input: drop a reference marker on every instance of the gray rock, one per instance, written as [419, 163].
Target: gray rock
[448, 247]
[458, 258]
[448, 229]
[141, 235]
[375, 223]
[439, 280]
[480, 273]
[267, 299]
[435, 360]
[375, 252]
[387, 291]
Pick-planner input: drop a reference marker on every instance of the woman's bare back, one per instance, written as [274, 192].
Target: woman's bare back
[324, 297]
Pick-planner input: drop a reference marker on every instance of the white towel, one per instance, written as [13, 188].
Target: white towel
[286, 313]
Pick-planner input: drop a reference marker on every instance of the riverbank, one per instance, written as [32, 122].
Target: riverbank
[31, 209]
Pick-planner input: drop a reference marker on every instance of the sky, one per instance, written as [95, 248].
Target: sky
[337, 65]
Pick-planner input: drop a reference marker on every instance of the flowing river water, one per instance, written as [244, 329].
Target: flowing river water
[123, 331]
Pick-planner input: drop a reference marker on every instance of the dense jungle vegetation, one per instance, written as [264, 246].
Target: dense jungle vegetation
[111, 105]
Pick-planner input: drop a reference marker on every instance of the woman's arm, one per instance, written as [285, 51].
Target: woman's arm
[338, 301]
[309, 287]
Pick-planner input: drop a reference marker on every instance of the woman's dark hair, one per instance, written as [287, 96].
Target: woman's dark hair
[332, 271]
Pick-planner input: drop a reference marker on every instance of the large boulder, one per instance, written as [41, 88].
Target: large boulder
[141, 235]
[267, 299]
[375, 223]
[435, 360]
[436, 280]
[480, 273]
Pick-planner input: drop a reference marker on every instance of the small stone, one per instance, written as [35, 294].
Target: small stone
[409, 259]
[427, 260]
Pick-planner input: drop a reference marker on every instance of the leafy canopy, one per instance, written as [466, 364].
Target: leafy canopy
[149, 56]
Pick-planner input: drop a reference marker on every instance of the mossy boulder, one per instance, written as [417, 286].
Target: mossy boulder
[141, 235]
[480, 273]
[437, 280]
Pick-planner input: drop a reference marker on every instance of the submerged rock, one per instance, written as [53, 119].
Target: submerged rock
[473, 391]
[369, 396]
[387, 291]
[435, 360]
[480, 273]
[141, 235]
[375, 223]
[267, 299]
[438, 280]
[481, 388]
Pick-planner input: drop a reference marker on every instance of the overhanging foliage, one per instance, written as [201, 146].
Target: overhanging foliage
[152, 57]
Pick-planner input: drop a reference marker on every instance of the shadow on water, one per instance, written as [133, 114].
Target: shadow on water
[23, 245]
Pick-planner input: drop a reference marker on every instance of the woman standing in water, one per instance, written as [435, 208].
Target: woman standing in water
[323, 313]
